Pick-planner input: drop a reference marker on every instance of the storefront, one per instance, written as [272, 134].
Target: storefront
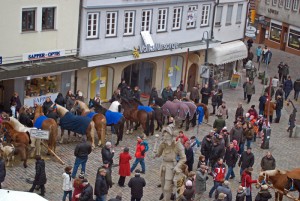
[293, 43]
[275, 32]
[172, 71]
[101, 82]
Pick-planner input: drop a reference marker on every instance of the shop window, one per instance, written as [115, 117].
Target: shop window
[111, 24]
[295, 5]
[146, 20]
[162, 19]
[129, 20]
[48, 15]
[101, 83]
[173, 66]
[219, 16]
[287, 4]
[275, 32]
[239, 14]
[229, 14]
[177, 17]
[42, 86]
[294, 39]
[28, 19]
[205, 15]
[191, 17]
[92, 25]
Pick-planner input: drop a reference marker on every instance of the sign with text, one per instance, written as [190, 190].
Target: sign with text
[158, 47]
[39, 99]
[39, 134]
[43, 55]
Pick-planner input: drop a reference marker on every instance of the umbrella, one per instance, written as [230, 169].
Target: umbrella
[8, 195]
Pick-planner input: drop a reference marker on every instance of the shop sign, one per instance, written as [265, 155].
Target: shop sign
[272, 11]
[157, 47]
[39, 99]
[102, 82]
[43, 55]
[39, 134]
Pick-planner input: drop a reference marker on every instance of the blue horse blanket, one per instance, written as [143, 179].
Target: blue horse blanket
[91, 115]
[39, 121]
[112, 117]
[77, 124]
[200, 112]
[145, 108]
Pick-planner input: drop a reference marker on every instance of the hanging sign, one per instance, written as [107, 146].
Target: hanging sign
[170, 73]
[39, 134]
[102, 82]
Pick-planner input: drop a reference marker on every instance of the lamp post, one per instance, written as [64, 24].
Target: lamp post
[205, 68]
[207, 45]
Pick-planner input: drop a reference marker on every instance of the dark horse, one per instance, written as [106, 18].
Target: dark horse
[132, 114]
[118, 126]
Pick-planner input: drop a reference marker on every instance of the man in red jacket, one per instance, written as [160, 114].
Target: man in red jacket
[182, 137]
[139, 155]
[218, 173]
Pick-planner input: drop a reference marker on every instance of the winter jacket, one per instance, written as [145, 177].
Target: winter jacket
[285, 70]
[240, 196]
[153, 95]
[263, 195]
[279, 92]
[200, 181]
[2, 171]
[249, 89]
[220, 99]
[189, 153]
[188, 193]
[101, 187]
[247, 180]
[248, 133]
[137, 94]
[272, 91]
[231, 157]
[219, 124]
[217, 152]
[124, 164]
[288, 86]
[205, 92]
[40, 173]
[272, 108]
[206, 147]
[78, 187]
[108, 177]
[253, 112]
[25, 120]
[167, 94]
[239, 112]
[223, 111]
[140, 150]
[280, 68]
[16, 101]
[136, 185]
[279, 104]
[226, 190]
[219, 172]
[297, 85]
[214, 99]
[195, 94]
[262, 101]
[107, 155]
[82, 150]
[46, 106]
[67, 182]
[60, 100]
[268, 163]
[183, 139]
[87, 193]
[69, 103]
[236, 134]
[246, 160]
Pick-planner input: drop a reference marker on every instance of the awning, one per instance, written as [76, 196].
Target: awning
[11, 71]
[228, 52]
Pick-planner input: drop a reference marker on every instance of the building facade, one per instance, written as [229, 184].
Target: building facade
[38, 45]
[278, 24]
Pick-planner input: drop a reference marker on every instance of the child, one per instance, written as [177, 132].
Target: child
[235, 145]
[201, 161]
[189, 191]
[67, 183]
[241, 194]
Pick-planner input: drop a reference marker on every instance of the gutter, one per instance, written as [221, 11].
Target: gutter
[78, 42]
[213, 20]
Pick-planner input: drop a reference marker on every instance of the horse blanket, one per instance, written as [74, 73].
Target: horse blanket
[91, 115]
[39, 121]
[114, 107]
[175, 109]
[77, 124]
[200, 112]
[145, 108]
[112, 117]
[192, 108]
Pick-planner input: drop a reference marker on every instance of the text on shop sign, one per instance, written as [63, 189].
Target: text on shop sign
[43, 55]
[158, 47]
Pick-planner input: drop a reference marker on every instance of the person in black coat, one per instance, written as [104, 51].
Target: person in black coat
[108, 154]
[46, 105]
[2, 171]
[136, 184]
[287, 87]
[263, 194]
[217, 152]
[205, 92]
[153, 95]
[206, 147]
[189, 153]
[246, 160]
[60, 100]
[24, 118]
[231, 157]
[101, 188]
[81, 153]
[87, 192]
[40, 175]
[108, 178]
[52, 114]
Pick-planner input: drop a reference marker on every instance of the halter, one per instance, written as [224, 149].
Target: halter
[292, 187]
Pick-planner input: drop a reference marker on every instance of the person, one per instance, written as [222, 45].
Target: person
[195, 94]
[40, 178]
[181, 85]
[280, 71]
[217, 152]
[177, 94]
[262, 101]
[2, 170]
[267, 90]
[247, 182]
[79, 96]
[189, 154]
[246, 160]
[236, 133]
[211, 82]
[139, 155]
[264, 53]
[136, 184]
[250, 90]
[97, 99]
[218, 172]
[239, 111]
[258, 53]
[221, 197]
[108, 177]
[249, 43]
[24, 117]
[108, 154]
[296, 89]
[189, 191]
[70, 102]
[115, 96]
[202, 161]
[77, 185]
[241, 194]
[60, 100]
[244, 88]
[279, 91]
[124, 166]
[214, 101]
[269, 110]
[68, 95]
[231, 157]
[137, 93]
[287, 87]
[87, 192]
[224, 188]
[195, 143]
[219, 123]
[153, 95]
[200, 181]
[279, 106]
[206, 147]
[101, 188]
[81, 152]
[205, 92]
[268, 56]
[285, 72]
[268, 162]
[167, 93]
[67, 183]
[15, 104]
[182, 138]
[263, 194]
[52, 114]
[122, 86]
[222, 109]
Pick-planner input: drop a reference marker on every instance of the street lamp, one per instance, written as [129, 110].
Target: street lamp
[204, 74]
[207, 45]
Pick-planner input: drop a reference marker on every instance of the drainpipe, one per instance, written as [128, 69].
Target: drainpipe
[213, 20]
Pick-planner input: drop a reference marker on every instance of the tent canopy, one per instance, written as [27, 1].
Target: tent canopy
[9, 195]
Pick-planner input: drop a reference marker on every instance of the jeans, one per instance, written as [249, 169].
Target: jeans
[101, 198]
[258, 58]
[65, 195]
[296, 94]
[249, 98]
[230, 172]
[245, 95]
[241, 148]
[261, 112]
[79, 161]
[215, 186]
[286, 94]
[135, 199]
[249, 197]
[136, 162]
[278, 115]
[241, 171]
[249, 143]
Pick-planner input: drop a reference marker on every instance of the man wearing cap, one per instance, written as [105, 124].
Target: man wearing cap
[136, 184]
[81, 153]
[225, 188]
[87, 192]
[108, 177]
[101, 187]
[139, 155]
[108, 154]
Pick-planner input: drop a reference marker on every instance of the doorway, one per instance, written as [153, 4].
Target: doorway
[192, 76]
[262, 36]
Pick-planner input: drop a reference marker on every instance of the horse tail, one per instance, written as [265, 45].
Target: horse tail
[206, 113]
[147, 124]
[28, 134]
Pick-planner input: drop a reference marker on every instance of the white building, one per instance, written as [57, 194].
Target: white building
[38, 43]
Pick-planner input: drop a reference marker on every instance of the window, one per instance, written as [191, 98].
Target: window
[48, 18]
[219, 16]
[111, 24]
[162, 19]
[294, 39]
[205, 15]
[28, 20]
[146, 20]
[229, 14]
[274, 2]
[239, 14]
[275, 32]
[287, 4]
[191, 17]
[267, 2]
[177, 14]
[92, 25]
[129, 20]
[295, 5]
[280, 4]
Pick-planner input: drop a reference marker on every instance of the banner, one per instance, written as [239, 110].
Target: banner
[39, 99]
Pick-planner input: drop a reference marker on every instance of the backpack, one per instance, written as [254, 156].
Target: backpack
[198, 142]
[145, 143]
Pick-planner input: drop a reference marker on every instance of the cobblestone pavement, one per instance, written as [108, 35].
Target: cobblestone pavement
[284, 149]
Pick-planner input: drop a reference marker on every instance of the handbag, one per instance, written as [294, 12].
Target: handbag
[248, 190]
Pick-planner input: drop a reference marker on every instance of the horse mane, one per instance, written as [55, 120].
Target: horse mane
[137, 101]
[272, 172]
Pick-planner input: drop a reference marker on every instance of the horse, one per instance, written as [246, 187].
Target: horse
[16, 136]
[13, 149]
[114, 119]
[42, 122]
[279, 180]
[293, 181]
[158, 116]
[192, 109]
[132, 114]
[78, 124]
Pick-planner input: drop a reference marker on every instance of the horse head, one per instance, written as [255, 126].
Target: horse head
[5, 116]
[76, 107]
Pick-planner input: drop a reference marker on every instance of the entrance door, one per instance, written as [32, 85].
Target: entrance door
[191, 82]
[262, 36]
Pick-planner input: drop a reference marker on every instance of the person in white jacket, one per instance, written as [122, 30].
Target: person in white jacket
[67, 183]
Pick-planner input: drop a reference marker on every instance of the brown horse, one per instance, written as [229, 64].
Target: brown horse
[98, 118]
[49, 125]
[15, 136]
